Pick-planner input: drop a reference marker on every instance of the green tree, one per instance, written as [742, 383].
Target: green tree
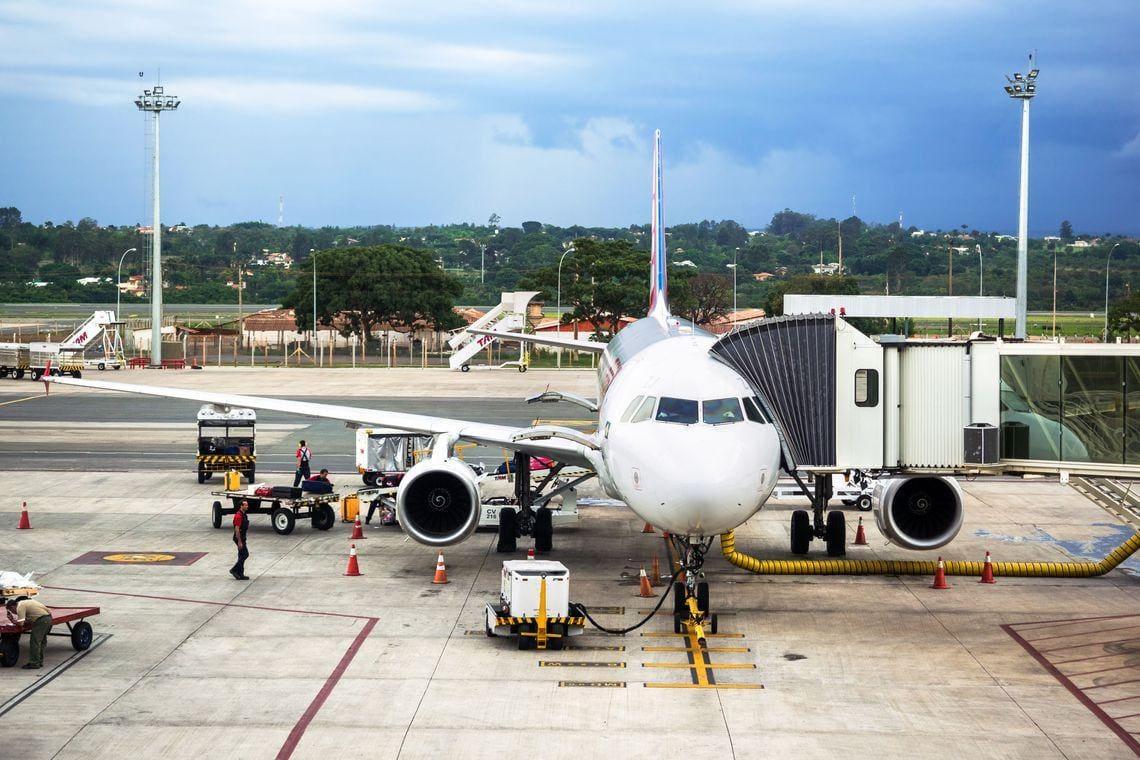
[1066, 231]
[1124, 315]
[374, 285]
[710, 298]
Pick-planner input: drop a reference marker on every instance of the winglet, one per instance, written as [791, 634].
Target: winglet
[658, 262]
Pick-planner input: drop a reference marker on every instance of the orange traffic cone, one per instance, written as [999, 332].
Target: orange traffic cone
[648, 528]
[25, 523]
[940, 577]
[440, 570]
[357, 530]
[655, 573]
[988, 571]
[860, 534]
[645, 590]
[530, 553]
[353, 565]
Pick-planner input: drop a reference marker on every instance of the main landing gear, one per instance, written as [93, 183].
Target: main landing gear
[832, 528]
[526, 520]
[691, 612]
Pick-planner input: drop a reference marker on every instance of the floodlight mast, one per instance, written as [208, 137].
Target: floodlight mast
[156, 101]
[1023, 88]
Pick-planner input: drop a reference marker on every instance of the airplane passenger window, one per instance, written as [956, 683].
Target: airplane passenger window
[753, 411]
[721, 411]
[866, 387]
[632, 408]
[682, 411]
[645, 411]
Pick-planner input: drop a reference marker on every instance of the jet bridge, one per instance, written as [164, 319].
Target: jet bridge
[843, 401]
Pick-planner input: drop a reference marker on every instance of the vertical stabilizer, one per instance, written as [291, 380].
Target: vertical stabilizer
[658, 275]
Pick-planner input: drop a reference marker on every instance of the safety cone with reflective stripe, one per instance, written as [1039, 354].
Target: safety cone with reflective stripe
[860, 534]
[25, 522]
[357, 530]
[648, 528]
[440, 570]
[530, 553]
[940, 577]
[645, 590]
[353, 565]
[988, 571]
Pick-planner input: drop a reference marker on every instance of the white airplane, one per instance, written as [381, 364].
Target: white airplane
[681, 438]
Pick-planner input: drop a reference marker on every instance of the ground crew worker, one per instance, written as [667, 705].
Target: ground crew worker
[322, 476]
[304, 456]
[25, 610]
[241, 525]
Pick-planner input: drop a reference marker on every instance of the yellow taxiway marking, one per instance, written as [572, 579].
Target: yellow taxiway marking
[651, 685]
[690, 649]
[663, 634]
[18, 400]
[701, 666]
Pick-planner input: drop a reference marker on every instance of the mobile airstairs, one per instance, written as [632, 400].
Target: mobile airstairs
[508, 316]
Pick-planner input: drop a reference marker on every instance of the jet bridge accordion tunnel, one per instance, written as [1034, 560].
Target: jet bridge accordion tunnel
[840, 400]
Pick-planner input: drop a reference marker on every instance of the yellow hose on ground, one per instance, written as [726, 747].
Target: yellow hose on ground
[923, 567]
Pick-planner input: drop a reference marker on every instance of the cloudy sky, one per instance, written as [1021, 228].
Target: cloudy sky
[409, 112]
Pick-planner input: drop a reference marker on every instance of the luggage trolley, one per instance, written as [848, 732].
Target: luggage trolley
[78, 630]
[226, 441]
[284, 506]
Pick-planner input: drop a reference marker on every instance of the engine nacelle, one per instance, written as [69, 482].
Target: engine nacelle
[438, 502]
[918, 511]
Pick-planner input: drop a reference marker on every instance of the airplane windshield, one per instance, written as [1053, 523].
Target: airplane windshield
[682, 411]
[721, 411]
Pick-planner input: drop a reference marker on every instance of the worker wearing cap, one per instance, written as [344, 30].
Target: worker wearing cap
[241, 525]
[26, 611]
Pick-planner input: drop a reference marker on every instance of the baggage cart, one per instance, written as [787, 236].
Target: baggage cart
[78, 630]
[283, 511]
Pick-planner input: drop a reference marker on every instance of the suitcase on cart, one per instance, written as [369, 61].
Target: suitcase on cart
[286, 492]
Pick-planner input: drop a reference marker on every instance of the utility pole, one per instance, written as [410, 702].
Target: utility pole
[1023, 88]
[839, 228]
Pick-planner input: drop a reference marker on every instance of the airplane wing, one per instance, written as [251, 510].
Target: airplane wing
[537, 443]
[544, 340]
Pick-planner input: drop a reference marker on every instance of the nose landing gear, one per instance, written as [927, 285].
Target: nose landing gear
[691, 612]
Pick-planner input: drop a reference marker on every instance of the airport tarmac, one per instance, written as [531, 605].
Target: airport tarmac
[302, 661]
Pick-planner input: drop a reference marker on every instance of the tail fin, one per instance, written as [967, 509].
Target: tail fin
[658, 263]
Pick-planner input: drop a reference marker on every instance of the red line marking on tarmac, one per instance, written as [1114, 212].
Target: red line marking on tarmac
[1093, 707]
[299, 728]
[1102, 670]
[1106, 685]
[1036, 624]
[1091, 644]
[208, 601]
[1083, 633]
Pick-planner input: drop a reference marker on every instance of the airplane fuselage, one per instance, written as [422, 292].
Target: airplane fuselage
[681, 443]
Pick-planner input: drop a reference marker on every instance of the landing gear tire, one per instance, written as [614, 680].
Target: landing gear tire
[216, 514]
[863, 503]
[679, 599]
[836, 534]
[324, 517]
[508, 532]
[801, 531]
[543, 531]
[81, 636]
[714, 623]
[282, 520]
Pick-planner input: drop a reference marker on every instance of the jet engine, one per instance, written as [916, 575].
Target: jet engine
[438, 502]
[918, 511]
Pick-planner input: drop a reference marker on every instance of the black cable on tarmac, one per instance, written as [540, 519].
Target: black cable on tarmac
[622, 631]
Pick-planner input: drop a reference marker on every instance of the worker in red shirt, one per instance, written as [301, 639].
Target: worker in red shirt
[304, 456]
[241, 525]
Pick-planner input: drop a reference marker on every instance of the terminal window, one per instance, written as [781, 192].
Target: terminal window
[1071, 408]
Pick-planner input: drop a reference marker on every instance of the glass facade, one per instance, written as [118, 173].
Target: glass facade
[1071, 408]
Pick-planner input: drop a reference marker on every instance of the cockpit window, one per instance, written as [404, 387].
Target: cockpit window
[632, 408]
[645, 411]
[682, 411]
[721, 411]
[754, 411]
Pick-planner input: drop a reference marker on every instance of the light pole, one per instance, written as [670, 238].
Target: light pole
[1023, 88]
[569, 251]
[482, 262]
[981, 280]
[1107, 261]
[156, 101]
[119, 282]
[316, 348]
[732, 266]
